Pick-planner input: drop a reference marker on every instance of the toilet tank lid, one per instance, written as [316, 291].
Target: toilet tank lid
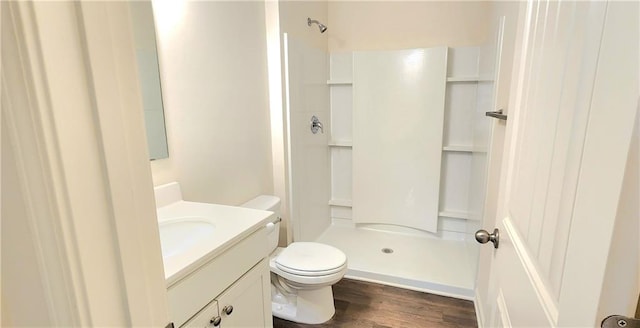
[264, 202]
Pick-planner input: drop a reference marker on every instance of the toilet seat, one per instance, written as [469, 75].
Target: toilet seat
[311, 259]
[307, 282]
[302, 274]
[308, 273]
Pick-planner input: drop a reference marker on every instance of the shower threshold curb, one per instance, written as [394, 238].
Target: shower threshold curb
[411, 284]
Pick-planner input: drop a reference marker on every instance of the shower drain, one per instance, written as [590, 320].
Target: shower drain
[387, 250]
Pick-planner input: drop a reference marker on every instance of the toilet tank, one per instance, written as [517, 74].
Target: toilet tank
[268, 203]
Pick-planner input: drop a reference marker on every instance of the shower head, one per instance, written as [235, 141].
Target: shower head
[321, 26]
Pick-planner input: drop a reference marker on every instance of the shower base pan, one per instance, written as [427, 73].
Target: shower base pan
[433, 265]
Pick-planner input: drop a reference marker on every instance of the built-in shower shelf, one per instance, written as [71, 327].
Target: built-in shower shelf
[341, 143]
[339, 82]
[468, 79]
[340, 202]
[463, 149]
[454, 214]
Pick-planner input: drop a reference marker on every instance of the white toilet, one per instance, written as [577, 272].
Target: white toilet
[301, 274]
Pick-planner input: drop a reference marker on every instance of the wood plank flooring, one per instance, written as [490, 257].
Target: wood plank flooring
[367, 305]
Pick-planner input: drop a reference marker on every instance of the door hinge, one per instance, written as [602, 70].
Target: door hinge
[620, 321]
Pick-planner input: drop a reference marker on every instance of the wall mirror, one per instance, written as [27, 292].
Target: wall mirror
[149, 75]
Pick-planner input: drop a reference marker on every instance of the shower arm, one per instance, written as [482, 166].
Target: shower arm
[321, 26]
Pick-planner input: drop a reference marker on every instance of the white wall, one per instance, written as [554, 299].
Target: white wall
[622, 277]
[386, 25]
[293, 20]
[213, 64]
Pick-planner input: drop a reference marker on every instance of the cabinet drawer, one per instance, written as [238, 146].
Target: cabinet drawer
[203, 319]
[194, 291]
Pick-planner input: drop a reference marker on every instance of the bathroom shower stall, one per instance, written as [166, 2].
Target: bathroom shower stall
[387, 159]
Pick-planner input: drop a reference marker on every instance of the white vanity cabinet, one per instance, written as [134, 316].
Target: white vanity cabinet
[216, 258]
[238, 277]
[246, 303]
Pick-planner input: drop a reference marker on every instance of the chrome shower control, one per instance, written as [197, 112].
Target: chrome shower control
[316, 125]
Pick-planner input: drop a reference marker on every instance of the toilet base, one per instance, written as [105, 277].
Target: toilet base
[311, 306]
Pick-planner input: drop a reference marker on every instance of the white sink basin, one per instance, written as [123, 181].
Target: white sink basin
[179, 235]
[192, 234]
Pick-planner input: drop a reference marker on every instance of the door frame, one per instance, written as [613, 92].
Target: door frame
[73, 112]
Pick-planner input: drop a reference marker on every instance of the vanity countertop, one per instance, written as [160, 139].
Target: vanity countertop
[230, 225]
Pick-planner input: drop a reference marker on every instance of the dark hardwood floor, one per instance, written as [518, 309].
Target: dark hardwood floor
[368, 305]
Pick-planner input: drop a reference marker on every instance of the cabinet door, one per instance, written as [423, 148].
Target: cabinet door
[247, 303]
[207, 317]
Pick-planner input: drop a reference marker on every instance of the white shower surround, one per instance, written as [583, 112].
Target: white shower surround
[398, 114]
[443, 262]
[307, 95]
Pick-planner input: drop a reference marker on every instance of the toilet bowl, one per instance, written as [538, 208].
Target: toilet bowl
[301, 274]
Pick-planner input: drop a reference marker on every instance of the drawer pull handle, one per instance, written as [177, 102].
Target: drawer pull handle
[215, 321]
[227, 309]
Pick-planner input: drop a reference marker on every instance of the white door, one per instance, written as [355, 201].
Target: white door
[570, 127]
[483, 190]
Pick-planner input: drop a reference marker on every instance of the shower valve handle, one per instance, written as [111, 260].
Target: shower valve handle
[316, 125]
